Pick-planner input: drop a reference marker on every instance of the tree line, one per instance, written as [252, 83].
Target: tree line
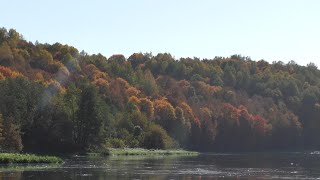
[55, 98]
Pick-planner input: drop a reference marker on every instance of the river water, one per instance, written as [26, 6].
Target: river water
[293, 165]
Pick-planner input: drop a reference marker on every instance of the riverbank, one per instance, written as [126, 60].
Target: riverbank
[7, 158]
[143, 152]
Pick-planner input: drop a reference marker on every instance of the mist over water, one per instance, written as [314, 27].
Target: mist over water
[293, 165]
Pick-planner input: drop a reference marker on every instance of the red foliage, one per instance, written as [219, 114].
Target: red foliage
[7, 72]
[260, 125]
[231, 114]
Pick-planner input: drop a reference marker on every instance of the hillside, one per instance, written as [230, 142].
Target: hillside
[55, 98]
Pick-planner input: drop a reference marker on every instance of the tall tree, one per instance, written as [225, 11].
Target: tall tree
[90, 119]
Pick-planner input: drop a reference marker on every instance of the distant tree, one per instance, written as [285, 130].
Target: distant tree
[165, 114]
[6, 56]
[229, 76]
[149, 84]
[147, 107]
[216, 79]
[3, 35]
[55, 97]
[137, 59]
[71, 63]
[14, 37]
[182, 127]
[209, 127]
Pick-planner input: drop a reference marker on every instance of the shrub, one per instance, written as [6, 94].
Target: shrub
[157, 138]
[115, 143]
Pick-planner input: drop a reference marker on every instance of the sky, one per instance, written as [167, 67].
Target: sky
[272, 30]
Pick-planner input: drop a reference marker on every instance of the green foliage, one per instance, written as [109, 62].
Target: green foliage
[71, 63]
[149, 84]
[90, 119]
[6, 158]
[14, 38]
[12, 140]
[115, 143]
[139, 152]
[53, 98]
[229, 77]
[157, 138]
[6, 55]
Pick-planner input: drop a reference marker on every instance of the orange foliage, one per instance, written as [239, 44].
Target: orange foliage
[164, 110]
[147, 107]
[188, 112]
[94, 73]
[123, 83]
[206, 113]
[231, 114]
[209, 125]
[134, 100]
[256, 122]
[243, 111]
[102, 84]
[135, 103]
[38, 76]
[165, 114]
[55, 86]
[1, 76]
[99, 74]
[117, 92]
[9, 73]
[259, 124]
[206, 89]
[132, 91]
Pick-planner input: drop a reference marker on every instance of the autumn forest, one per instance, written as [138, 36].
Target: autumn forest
[55, 98]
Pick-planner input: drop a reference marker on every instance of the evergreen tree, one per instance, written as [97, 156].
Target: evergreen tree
[90, 120]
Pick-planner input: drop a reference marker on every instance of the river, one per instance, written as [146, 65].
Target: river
[293, 165]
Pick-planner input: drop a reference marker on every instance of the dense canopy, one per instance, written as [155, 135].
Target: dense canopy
[55, 98]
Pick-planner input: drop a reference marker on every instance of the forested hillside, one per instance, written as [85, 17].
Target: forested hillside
[55, 98]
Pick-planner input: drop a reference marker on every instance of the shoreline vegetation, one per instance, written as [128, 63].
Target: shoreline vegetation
[10, 158]
[144, 152]
[7, 158]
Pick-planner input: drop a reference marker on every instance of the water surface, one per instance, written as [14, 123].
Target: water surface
[293, 165]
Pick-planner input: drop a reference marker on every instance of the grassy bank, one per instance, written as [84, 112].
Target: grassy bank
[140, 151]
[6, 158]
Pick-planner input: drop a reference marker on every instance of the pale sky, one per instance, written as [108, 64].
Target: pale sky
[269, 29]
